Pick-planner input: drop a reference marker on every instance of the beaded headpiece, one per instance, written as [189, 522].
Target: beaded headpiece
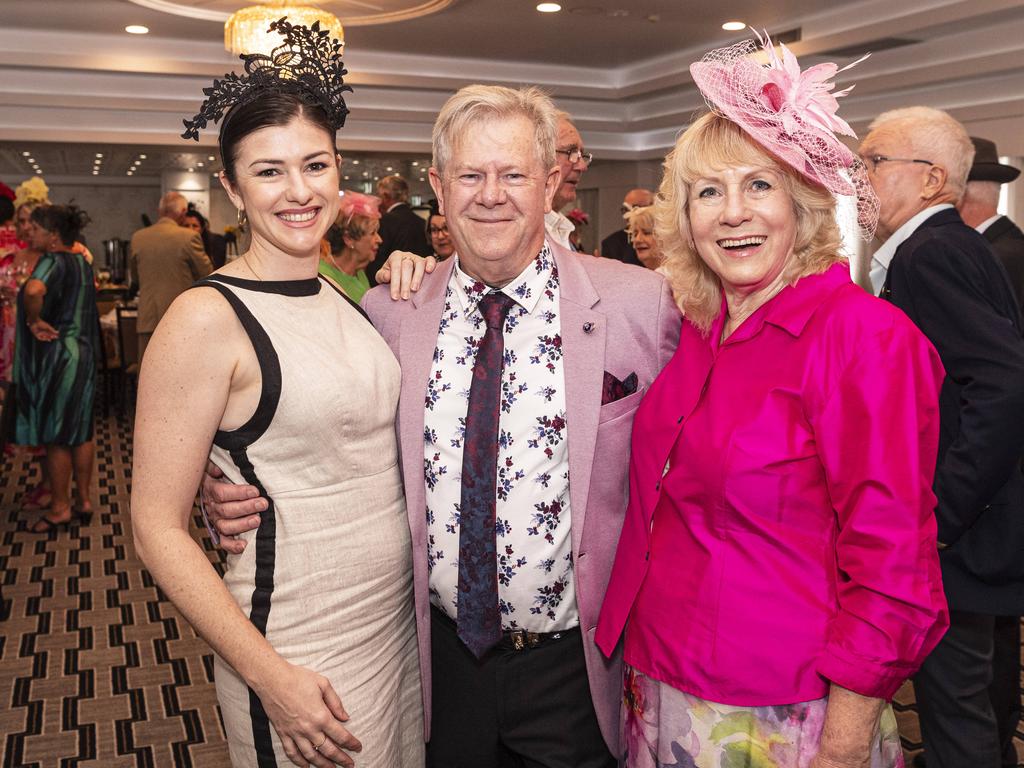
[791, 113]
[307, 63]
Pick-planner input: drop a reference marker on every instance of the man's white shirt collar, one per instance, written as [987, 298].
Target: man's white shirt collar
[988, 223]
[558, 227]
[883, 256]
[395, 205]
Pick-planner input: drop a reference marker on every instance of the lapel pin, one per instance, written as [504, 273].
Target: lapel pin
[588, 327]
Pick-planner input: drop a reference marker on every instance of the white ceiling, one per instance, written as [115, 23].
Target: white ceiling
[72, 83]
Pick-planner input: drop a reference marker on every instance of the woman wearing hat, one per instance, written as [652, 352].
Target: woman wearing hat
[777, 575]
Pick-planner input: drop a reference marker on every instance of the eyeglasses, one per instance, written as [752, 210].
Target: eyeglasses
[875, 160]
[438, 230]
[575, 154]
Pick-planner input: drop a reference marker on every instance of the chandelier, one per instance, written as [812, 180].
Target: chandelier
[245, 31]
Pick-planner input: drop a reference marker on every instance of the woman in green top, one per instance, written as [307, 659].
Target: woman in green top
[353, 241]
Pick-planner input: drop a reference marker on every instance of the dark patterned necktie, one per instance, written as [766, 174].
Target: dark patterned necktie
[479, 624]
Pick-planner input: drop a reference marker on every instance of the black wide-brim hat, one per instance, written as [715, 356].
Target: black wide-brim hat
[986, 165]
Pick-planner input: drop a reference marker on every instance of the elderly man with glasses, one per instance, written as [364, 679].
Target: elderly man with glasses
[572, 161]
[945, 277]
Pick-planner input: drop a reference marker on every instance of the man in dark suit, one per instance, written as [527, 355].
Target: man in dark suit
[945, 277]
[616, 245]
[978, 210]
[400, 228]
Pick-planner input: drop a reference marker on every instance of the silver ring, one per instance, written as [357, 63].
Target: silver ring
[317, 748]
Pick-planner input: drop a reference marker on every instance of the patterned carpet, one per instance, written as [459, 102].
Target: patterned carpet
[97, 669]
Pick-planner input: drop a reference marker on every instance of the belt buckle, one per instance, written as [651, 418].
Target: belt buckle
[523, 639]
[518, 639]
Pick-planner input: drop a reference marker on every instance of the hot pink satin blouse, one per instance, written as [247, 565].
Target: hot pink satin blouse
[780, 531]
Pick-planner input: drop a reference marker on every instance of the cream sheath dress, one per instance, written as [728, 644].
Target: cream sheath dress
[327, 577]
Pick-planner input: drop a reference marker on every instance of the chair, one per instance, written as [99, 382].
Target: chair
[128, 341]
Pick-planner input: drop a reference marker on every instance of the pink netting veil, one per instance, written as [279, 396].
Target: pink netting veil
[790, 113]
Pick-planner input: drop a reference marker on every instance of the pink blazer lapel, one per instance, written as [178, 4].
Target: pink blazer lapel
[584, 336]
[417, 339]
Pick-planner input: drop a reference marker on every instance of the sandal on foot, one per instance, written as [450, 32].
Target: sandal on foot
[47, 525]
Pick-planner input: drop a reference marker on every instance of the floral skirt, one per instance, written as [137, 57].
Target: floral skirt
[663, 727]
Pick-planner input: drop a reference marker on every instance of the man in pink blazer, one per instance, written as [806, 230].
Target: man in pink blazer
[583, 340]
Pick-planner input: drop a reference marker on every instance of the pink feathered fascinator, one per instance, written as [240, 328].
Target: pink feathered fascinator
[358, 204]
[790, 113]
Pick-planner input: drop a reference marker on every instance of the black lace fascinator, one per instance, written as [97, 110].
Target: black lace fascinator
[307, 63]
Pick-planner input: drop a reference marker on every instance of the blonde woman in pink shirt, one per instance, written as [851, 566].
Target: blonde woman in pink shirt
[777, 576]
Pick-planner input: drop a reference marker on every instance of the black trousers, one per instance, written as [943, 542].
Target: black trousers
[1004, 692]
[958, 723]
[512, 709]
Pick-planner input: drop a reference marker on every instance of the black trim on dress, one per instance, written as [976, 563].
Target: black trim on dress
[307, 287]
[270, 370]
[262, 594]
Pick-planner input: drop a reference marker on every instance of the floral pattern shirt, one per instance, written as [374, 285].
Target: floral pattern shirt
[534, 546]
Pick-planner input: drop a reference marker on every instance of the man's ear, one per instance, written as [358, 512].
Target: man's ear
[551, 183]
[934, 182]
[435, 184]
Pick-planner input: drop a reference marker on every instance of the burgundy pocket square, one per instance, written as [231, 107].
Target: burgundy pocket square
[614, 389]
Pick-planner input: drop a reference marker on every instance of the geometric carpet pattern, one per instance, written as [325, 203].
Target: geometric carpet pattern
[97, 668]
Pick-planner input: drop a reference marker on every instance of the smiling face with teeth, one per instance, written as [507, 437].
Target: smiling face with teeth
[286, 180]
[744, 225]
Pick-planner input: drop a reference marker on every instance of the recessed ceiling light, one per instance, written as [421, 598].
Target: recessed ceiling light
[549, 7]
[389, 168]
[346, 178]
[25, 154]
[355, 162]
[95, 173]
[734, 26]
[415, 163]
[366, 173]
[191, 170]
[32, 160]
[99, 154]
[199, 164]
[211, 158]
[136, 29]
[422, 179]
[142, 157]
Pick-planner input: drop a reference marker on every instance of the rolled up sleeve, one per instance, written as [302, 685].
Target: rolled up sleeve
[877, 437]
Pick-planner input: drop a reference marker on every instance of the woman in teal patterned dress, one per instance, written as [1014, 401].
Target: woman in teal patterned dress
[55, 361]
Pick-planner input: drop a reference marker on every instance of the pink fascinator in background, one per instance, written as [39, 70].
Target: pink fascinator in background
[790, 113]
[358, 204]
[578, 216]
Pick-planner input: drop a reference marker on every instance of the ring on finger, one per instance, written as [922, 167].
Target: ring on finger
[317, 747]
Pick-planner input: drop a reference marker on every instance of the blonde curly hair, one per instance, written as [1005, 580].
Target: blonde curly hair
[715, 142]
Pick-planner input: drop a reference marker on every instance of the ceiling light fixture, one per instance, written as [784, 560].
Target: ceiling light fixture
[245, 31]
[136, 29]
[549, 7]
[142, 157]
[25, 154]
[733, 26]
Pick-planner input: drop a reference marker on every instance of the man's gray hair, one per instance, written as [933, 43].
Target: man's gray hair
[172, 205]
[395, 186]
[935, 136]
[478, 103]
